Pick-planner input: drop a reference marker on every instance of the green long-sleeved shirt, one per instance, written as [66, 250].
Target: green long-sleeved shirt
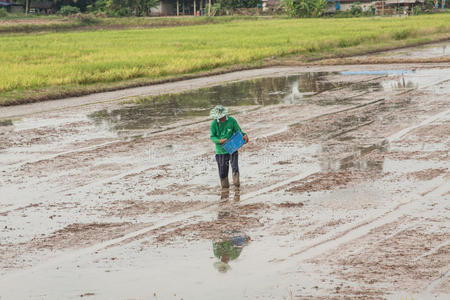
[225, 130]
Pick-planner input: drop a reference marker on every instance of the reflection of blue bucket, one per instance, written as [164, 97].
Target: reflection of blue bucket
[239, 241]
[233, 143]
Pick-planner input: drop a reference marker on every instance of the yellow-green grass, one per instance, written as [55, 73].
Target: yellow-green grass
[50, 65]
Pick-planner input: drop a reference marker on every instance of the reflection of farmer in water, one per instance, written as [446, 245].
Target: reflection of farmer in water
[222, 128]
[229, 247]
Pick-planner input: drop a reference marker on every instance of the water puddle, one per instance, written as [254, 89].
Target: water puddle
[405, 79]
[401, 79]
[154, 112]
[149, 112]
[354, 161]
[133, 118]
[441, 50]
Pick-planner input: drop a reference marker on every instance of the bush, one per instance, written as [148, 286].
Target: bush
[429, 5]
[68, 10]
[417, 10]
[403, 34]
[232, 4]
[356, 10]
[3, 12]
[120, 8]
[342, 14]
[97, 7]
[305, 8]
[87, 19]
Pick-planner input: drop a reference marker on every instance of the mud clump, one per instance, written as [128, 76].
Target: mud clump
[323, 182]
[73, 236]
[289, 204]
[130, 208]
[323, 229]
[212, 230]
[250, 208]
[424, 175]
[6, 122]
[82, 235]
[405, 259]
[87, 295]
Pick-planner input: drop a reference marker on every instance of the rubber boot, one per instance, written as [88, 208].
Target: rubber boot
[237, 194]
[224, 183]
[236, 181]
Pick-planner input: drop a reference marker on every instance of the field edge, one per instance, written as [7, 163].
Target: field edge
[341, 56]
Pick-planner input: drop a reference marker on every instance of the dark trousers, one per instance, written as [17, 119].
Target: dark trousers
[223, 162]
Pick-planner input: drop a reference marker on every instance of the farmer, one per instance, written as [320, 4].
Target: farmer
[222, 128]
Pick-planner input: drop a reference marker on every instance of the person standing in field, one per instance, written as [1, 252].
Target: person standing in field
[222, 128]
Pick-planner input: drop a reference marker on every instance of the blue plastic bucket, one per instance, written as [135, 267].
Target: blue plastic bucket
[234, 143]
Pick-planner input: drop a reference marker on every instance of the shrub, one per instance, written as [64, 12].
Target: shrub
[87, 19]
[342, 14]
[429, 5]
[68, 10]
[403, 34]
[356, 10]
[97, 7]
[417, 10]
[121, 8]
[305, 8]
[3, 12]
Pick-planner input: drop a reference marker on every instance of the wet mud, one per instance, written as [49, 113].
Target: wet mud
[344, 190]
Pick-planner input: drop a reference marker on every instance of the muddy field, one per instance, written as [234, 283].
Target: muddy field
[345, 189]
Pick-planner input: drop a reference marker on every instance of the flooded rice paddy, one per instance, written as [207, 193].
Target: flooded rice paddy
[344, 191]
[439, 50]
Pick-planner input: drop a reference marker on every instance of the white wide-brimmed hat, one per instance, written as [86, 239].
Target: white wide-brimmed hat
[218, 112]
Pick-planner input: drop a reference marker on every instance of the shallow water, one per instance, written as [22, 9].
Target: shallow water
[441, 50]
[148, 112]
[153, 111]
[156, 111]
[141, 116]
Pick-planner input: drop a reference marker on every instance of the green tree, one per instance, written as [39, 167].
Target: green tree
[356, 9]
[130, 7]
[230, 4]
[80, 4]
[429, 5]
[305, 8]
[68, 10]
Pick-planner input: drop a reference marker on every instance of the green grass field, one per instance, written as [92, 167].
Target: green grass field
[43, 65]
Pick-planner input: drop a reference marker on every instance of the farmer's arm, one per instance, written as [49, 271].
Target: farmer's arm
[214, 138]
[214, 135]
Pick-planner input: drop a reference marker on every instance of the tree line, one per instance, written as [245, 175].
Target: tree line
[294, 8]
[126, 7]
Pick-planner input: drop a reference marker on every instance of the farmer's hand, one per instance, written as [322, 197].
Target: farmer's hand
[245, 137]
[222, 141]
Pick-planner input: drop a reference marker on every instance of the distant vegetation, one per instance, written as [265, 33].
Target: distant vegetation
[121, 8]
[57, 64]
[68, 10]
[305, 8]
[141, 8]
